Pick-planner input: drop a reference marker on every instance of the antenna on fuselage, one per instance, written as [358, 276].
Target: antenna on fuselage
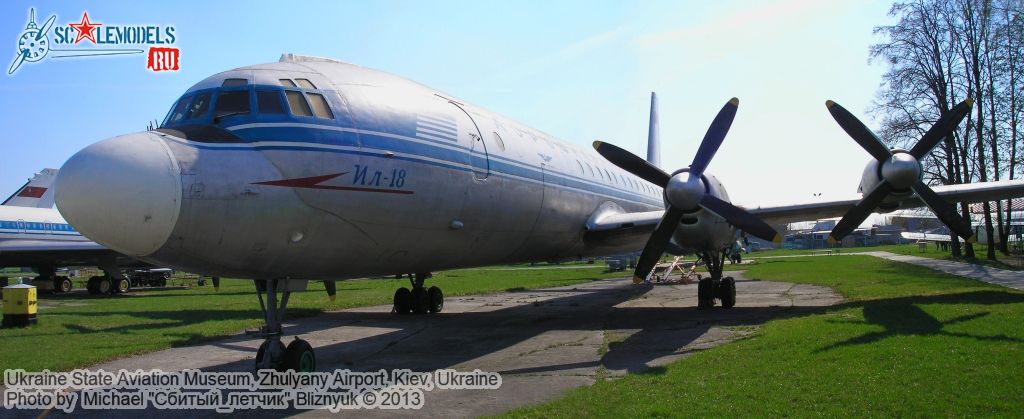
[653, 141]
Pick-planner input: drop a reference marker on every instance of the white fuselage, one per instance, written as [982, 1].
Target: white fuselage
[394, 178]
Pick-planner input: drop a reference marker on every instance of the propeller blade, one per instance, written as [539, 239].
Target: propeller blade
[17, 62]
[941, 129]
[859, 212]
[714, 137]
[740, 218]
[332, 289]
[632, 163]
[216, 283]
[46, 27]
[858, 131]
[657, 243]
[945, 211]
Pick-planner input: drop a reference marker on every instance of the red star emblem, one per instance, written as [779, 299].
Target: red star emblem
[86, 29]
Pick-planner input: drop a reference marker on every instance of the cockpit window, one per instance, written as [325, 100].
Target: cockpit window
[269, 102]
[231, 102]
[234, 82]
[287, 82]
[178, 110]
[297, 103]
[305, 83]
[320, 106]
[200, 107]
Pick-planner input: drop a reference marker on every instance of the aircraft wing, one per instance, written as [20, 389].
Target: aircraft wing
[28, 253]
[969, 192]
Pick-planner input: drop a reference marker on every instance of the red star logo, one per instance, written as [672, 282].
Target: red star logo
[86, 29]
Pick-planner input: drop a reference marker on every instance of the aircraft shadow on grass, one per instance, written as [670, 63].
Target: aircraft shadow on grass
[904, 317]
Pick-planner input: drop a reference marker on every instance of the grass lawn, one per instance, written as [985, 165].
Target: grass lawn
[1003, 261]
[77, 329]
[909, 342]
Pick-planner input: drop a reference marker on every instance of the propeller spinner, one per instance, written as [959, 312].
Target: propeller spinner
[685, 190]
[900, 170]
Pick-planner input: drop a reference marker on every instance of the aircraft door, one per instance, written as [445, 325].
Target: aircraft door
[470, 132]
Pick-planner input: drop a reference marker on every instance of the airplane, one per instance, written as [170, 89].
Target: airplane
[34, 234]
[311, 167]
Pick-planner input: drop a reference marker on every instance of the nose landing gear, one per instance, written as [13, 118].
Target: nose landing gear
[419, 300]
[272, 354]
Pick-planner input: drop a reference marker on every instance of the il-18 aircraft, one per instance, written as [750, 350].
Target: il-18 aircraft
[311, 168]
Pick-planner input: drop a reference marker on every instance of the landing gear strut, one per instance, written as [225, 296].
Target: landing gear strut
[298, 356]
[419, 300]
[716, 287]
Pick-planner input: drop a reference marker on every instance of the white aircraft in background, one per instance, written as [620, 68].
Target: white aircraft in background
[314, 168]
[33, 234]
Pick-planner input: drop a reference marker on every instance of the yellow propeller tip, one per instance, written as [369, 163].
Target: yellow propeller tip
[973, 239]
[333, 297]
[777, 239]
[734, 101]
[969, 102]
[637, 279]
[829, 104]
[832, 241]
[598, 143]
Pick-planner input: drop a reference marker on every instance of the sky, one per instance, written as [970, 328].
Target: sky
[578, 70]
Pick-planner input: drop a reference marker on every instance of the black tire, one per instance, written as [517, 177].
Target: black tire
[123, 285]
[727, 292]
[104, 285]
[262, 352]
[420, 303]
[403, 301]
[299, 357]
[64, 285]
[705, 294]
[435, 299]
[93, 285]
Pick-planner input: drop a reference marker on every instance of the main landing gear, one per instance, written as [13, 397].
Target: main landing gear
[419, 300]
[715, 287]
[273, 354]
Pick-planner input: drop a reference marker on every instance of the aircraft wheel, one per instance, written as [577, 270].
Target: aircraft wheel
[420, 303]
[299, 357]
[104, 285]
[64, 285]
[436, 300]
[403, 301]
[122, 285]
[262, 352]
[705, 294]
[727, 292]
[93, 285]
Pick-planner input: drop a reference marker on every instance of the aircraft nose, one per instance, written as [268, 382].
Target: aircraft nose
[123, 193]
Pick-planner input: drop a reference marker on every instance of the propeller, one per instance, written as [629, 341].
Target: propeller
[900, 170]
[685, 191]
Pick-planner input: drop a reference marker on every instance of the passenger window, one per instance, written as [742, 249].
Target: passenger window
[200, 107]
[269, 101]
[287, 82]
[320, 106]
[232, 102]
[297, 103]
[305, 83]
[178, 111]
[234, 82]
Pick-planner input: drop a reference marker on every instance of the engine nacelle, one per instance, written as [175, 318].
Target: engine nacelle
[871, 177]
